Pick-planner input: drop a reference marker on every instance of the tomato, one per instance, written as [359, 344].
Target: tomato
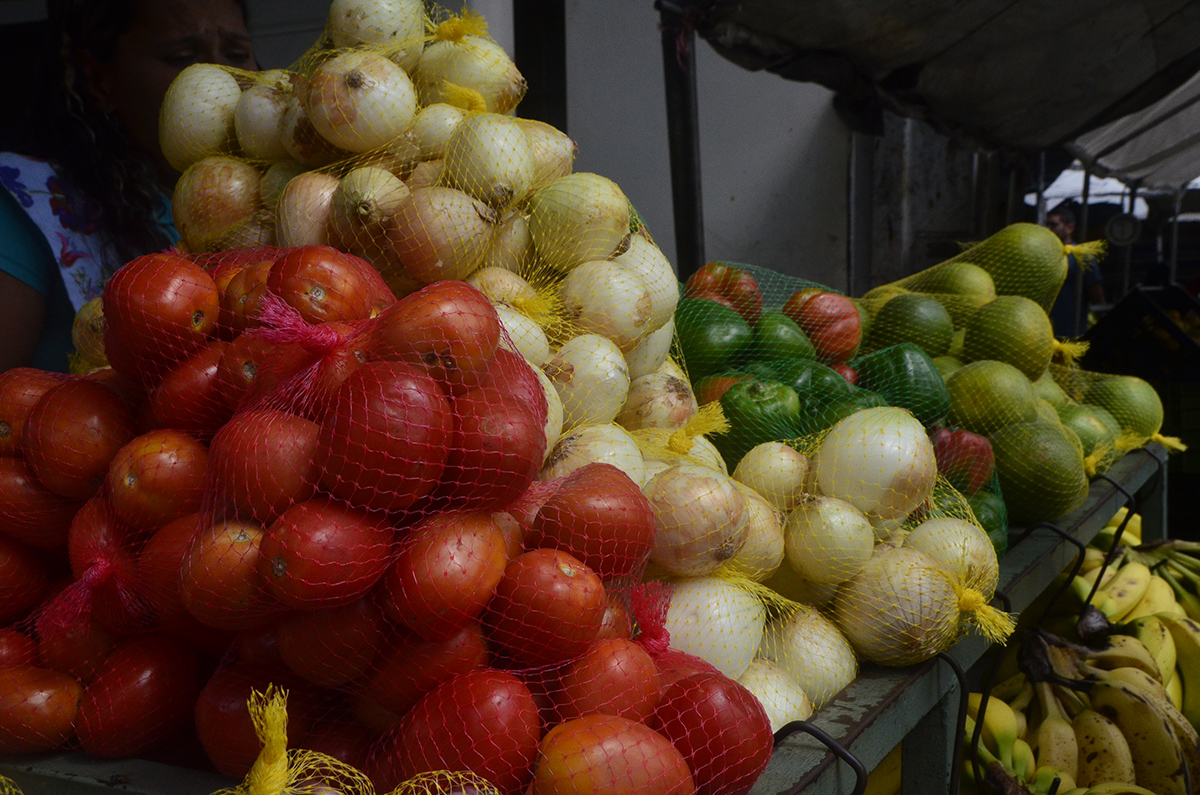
[383, 444]
[513, 376]
[156, 478]
[608, 755]
[599, 515]
[322, 284]
[133, 393]
[450, 328]
[368, 711]
[253, 365]
[29, 512]
[23, 580]
[38, 708]
[101, 550]
[333, 645]
[78, 648]
[830, 321]
[241, 298]
[20, 389]
[483, 721]
[547, 608]
[736, 285]
[72, 434]
[446, 572]
[320, 553]
[613, 677]
[221, 584]
[17, 648]
[674, 665]
[847, 372]
[720, 729]
[409, 666]
[616, 623]
[189, 396]
[344, 740]
[142, 694]
[262, 462]
[338, 349]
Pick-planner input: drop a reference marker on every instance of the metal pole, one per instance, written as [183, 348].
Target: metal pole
[1080, 325]
[683, 135]
[1133, 191]
[1175, 235]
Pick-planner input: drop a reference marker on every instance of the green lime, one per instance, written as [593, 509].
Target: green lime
[914, 318]
[961, 287]
[1131, 401]
[987, 395]
[946, 365]
[1040, 467]
[1011, 329]
[1022, 259]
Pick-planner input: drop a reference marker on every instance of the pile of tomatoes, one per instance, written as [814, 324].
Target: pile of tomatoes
[289, 477]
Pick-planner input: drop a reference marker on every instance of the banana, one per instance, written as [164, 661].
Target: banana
[1103, 751]
[1125, 590]
[1044, 778]
[1024, 764]
[1009, 688]
[1022, 725]
[1093, 558]
[999, 727]
[1157, 639]
[1174, 688]
[1054, 737]
[1156, 694]
[1023, 698]
[1176, 609]
[1158, 598]
[1114, 788]
[1186, 634]
[1117, 517]
[1157, 758]
[1125, 651]
[885, 778]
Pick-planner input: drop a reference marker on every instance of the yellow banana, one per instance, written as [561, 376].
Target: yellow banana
[1008, 688]
[1156, 694]
[1044, 777]
[1158, 598]
[885, 778]
[1023, 698]
[1054, 737]
[1125, 590]
[1104, 753]
[1118, 517]
[1125, 651]
[999, 727]
[1176, 609]
[1174, 688]
[1157, 758]
[1022, 725]
[1114, 788]
[1093, 558]
[1157, 639]
[1024, 764]
[1186, 634]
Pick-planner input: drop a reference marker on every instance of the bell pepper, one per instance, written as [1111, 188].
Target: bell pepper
[816, 384]
[963, 458]
[906, 377]
[735, 285]
[830, 320]
[711, 336]
[757, 411]
[778, 340]
[825, 416]
[991, 514]
[711, 387]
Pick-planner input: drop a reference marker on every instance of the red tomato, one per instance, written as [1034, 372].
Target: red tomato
[674, 665]
[333, 645]
[221, 584]
[72, 434]
[253, 366]
[847, 372]
[156, 478]
[608, 755]
[189, 396]
[78, 648]
[142, 694]
[710, 388]
[613, 677]
[162, 308]
[262, 462]
[29, 512]
[133, 393]
[20, 389]
[736, 285]
[37, 709]
[241, 298]
[259, 647]
[616, 623]
[409, 666]
[449, 328]
[484, 721]
[830, 321]
[383, 444]
[513, 376]
[322, 284]
[719, 728]
[445, 573]
[345, 740]
[370, 713]
[547, 609]
[101, 550]
[23, 580]
[320, 553]
[600, 516]
[17, 648]
[334, 350]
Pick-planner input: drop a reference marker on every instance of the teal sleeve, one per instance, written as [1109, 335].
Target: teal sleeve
[25, 252]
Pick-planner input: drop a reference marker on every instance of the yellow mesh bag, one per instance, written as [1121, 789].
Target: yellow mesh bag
[1112, 413]
[446, 783]
[9, 787]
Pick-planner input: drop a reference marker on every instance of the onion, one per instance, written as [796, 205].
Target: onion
[302, 216]
[591, 378]
[606, 298]
[528, 338]
[361, 208]
[302, 141]
[470, 61]
[962, 548]
[430, 129]
[396, 24]
[196, 119]
[656, 446]
[360, 100]
[701, 517]
[275, 179]
[775, 470]
[606, 444]
[657, 400]
[654, 467]
[400, 156]
[512, 245]
[258, 117]
[781, 697]
[763, 551]
[441, 233]
[257, 230]
[488, 157]
[644, 258]
[553, 152]
[213, 198]
[503, 286]
[670, 367]
[425, 175]
[717, 621]
[554, 412]
[827, 540]
[578, 218]
[652, 351]
[787, 583]
[879, 460]
[813, 651]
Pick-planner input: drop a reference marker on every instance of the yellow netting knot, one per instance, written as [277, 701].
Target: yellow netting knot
[463, 97]
[1129, 440]
[1069, 351]
[995, 625]
[1173, 443]
[1087, 254]
[268, 711]
[1092, 462]
[708, 420]
[468, 23]
[541, 308]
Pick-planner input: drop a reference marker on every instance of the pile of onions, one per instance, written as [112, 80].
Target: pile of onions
[962, 548]
[646, 259]
[904, 607]
[213, 198]
[652, 352]
[488, 157]
[777, 471]
[578, 218]
[441, 233]
[302, 215]
[362, 207]
[359, 100]
[396, 24]
[592, 380]
[553, 152]
[300, 138]
[430, 129]
[512, 245]
[658, 400]
[196, 119]
[554, 411]
[461, 56]
[528, 338]
[827, 540]
[605, 297]
[701, 516]
[812, 649]
[258, 117]
[780, 695]
[717, 621]
[879, 460]
[763, 551]
[606, 444]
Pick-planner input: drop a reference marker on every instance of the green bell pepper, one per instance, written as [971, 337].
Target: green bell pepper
[906, 377]
[816, 384]
[711, 336]
[829, 414]
[990, 512]
[758, 411]
[779, 341]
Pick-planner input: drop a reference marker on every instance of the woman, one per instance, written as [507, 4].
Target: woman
[91, 190]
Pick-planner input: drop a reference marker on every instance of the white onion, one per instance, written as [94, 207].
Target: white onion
[762, 553]
[302, 216]
[592, 380]
[670, 367]
[258, 117]
[554, 412]
[502, 286]
[471, 62]
[426, 174]
[275, 179]
[578, 218]
[359, 100]
[879, 460]
[399, 156]
[488, 157]
[399, 25]
[512, 245]
[606, 298]
[717, 621]
[430, 129]
[651, 351]
[605, 444]
[553, 152]
[361, 208]
[827, 540]
[441, 233]
[775, 470]
[647, 260]
[196, 119]
[657, 400]
[701, 519]
[302, 141]
[962, 548]
[656, 445]
[257, 230]
[212, 199]
[528, 338]
[654, 467]
[781, 697]
[787, 583]
[813, 651]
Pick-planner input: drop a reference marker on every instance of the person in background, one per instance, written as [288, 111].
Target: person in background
[90, 189]
[1068, 323]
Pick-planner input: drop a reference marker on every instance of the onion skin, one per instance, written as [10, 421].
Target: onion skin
[781, 697]
[470, 62]
[360, 101]
[527, 337]
[488, 157]
[603, 297]
[777, 471]
[701, 518]
[658, 400]
[399, 25]
[360, 208]
[302, 217]
[302, 141]
[716, 621]
[813, 650]
[578, 218]
[258, 117]
[592, 380]
[431, 128]
[275, 179]
[212, 199]
[512, 245]
[440, 233]
[553, 152]
[962, 548]
[828, 540]
[652, 351]
[647, 260]
[605, 444]
[196, 119]
[763, 551]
